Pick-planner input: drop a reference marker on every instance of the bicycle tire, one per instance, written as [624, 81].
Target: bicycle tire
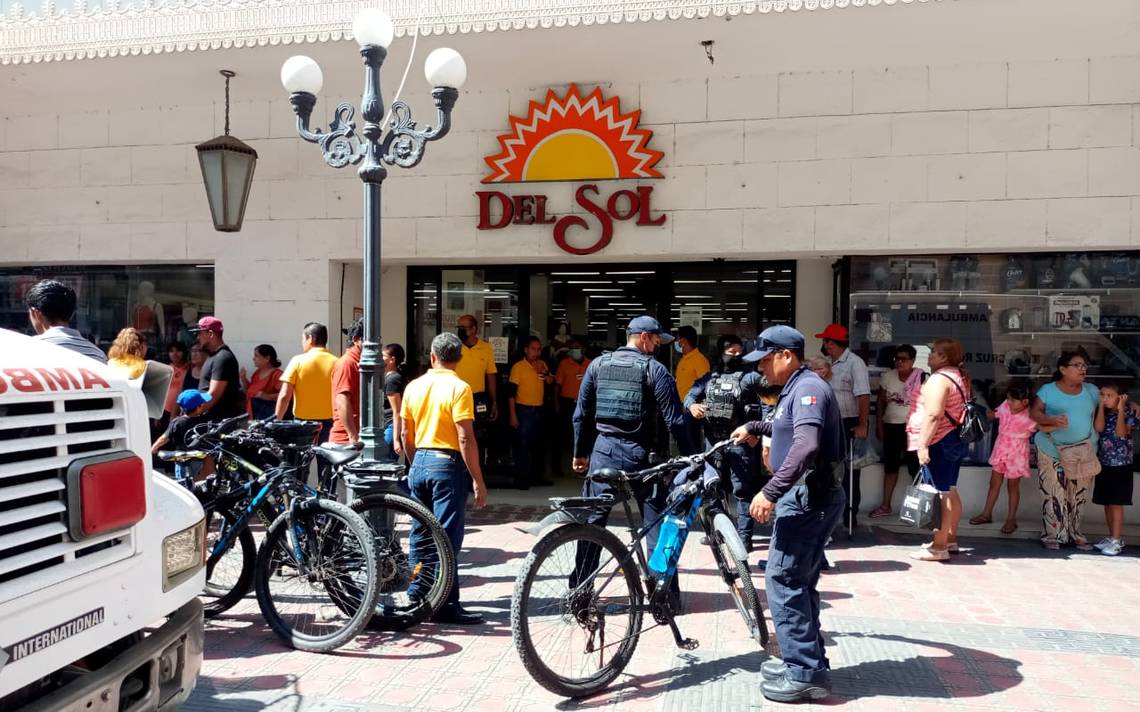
[738, 578]
[394, 614]
[226, 597]
[521, 632]
[341, 528]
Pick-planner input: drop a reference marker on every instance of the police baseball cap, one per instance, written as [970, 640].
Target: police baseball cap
[776, 338]
[191, 399]
[208, 323]
[648, 325]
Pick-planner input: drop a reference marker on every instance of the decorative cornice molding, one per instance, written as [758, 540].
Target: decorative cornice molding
[154, 26]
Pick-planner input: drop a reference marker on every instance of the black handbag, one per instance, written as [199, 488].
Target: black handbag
[972, 428]
[921, 506]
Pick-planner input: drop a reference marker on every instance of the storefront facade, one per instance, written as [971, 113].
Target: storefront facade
[805, 133]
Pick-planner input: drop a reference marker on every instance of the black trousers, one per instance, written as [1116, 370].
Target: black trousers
[851, 481]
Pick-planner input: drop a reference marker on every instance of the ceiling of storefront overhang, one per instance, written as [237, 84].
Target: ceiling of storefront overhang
[964, 31]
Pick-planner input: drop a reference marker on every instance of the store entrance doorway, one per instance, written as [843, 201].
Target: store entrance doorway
[587, 307]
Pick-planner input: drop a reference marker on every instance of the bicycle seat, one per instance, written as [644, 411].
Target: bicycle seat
[606, 474]
[182, 455]
[336, 456]
[605, 501]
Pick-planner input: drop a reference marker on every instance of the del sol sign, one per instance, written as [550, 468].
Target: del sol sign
[573, 138]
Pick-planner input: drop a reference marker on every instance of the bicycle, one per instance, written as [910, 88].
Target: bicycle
[411, 545]
[562, 603]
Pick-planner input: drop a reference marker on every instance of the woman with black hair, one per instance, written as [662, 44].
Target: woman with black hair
[395, 381]
[261, 390]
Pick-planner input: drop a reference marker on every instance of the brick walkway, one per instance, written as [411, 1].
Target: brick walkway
[1004, 626]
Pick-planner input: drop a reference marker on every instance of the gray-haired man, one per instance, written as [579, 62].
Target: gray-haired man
[439, 439]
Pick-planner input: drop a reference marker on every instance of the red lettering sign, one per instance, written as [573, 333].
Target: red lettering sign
[38, 380]
[531, 210]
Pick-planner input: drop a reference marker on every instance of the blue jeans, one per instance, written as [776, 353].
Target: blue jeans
[438, 480]
[792, 575]
[188, 471]
[526, 451]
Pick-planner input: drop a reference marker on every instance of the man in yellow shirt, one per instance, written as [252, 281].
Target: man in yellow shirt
[308, 380]
[691, 367]
[528, 379]
[477, 367]
[439, 440]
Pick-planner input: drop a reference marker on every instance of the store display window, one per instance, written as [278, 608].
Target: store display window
[161, 301]
[1014, 314]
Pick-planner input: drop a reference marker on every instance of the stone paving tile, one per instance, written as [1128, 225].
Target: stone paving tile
[1003, 626]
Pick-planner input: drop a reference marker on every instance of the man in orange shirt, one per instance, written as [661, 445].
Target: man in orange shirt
[346, 389]
[568, 376]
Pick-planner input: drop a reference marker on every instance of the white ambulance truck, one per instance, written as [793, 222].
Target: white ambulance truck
[101, 559]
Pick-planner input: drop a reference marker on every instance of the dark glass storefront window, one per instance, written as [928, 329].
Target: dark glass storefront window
[1014, 314]
[161, 301]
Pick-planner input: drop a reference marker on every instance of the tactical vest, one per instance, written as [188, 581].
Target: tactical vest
[622, 379]
[724, 402]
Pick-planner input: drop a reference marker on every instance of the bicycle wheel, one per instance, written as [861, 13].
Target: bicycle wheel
[574, 640]
[415, 562]
[739, 579]
[229, 571]
[316, 582]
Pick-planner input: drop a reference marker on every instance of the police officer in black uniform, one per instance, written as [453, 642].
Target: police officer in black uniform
[724, 400]
[806, 496]
[623, 396]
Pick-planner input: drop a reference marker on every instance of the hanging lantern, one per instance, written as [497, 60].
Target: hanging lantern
[227, 170]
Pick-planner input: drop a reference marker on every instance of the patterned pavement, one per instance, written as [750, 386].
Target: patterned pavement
[1005, 625]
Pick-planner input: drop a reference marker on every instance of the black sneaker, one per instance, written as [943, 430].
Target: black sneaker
[457, 615]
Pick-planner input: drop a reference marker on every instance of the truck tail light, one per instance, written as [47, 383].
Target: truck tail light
[105, 493]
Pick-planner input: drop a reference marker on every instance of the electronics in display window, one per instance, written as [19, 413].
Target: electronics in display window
[1014, 314]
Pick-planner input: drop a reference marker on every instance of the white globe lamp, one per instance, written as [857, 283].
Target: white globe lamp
[445, 67]
[373, 28]
[302, 74]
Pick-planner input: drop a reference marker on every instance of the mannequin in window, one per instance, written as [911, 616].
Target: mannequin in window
[147, 315]
[559, 344]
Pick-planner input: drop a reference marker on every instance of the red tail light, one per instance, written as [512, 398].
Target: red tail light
[105, 493]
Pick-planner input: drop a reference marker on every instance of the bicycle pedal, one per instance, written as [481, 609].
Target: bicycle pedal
[689, 644]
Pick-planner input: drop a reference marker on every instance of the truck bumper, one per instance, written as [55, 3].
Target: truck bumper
[157, 674]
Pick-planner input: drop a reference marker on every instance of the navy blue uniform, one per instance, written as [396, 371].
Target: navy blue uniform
[743, 461]
[624, 444]
[807, 439]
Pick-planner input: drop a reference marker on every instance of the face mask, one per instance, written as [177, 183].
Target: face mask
[727, 358]
[823, 350]
[576, 354]
[677, 347]
[462, 333]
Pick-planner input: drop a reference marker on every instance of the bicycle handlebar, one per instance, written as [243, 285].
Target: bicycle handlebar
[671, 465]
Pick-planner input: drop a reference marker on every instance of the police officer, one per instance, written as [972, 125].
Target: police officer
[723, 401]
[624, 393]
[806, 497]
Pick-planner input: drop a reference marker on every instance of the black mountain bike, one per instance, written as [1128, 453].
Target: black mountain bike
[576, 623]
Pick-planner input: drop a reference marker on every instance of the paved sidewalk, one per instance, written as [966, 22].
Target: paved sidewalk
[1005, 625]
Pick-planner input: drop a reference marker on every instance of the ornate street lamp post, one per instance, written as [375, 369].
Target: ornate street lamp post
[402, 145]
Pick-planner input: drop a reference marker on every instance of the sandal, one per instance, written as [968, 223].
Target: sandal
[882, 511]
[928, 554]
[952, 547]
[1009, 527]
[979, 519]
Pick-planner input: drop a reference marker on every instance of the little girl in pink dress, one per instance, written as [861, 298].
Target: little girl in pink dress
[1010, 455]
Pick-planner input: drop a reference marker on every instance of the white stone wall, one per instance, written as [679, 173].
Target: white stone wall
[995, 156]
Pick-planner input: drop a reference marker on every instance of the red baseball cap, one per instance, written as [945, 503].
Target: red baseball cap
[834, 332]
[208, 323]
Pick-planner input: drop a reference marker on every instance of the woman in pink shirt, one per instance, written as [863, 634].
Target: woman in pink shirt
[932, 431]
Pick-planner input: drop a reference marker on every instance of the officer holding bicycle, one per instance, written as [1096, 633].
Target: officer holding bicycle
[623, 395]
[723, 401]
[806, 496]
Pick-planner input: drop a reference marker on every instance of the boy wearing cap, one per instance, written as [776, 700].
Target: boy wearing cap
[221, 376]
[852, 389]
[191, 405]
[806, 500]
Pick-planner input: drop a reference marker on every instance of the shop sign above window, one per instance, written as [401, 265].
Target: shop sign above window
[572, 138]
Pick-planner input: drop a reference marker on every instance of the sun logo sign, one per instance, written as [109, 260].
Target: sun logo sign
[572, 138]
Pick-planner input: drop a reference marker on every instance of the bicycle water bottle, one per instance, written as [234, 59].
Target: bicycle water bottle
[670, 541]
